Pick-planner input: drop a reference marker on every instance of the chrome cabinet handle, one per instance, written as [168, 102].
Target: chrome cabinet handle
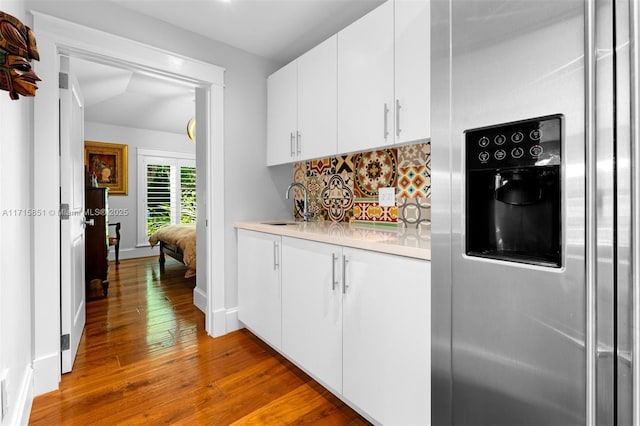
[276, 262]
[334, 282]
[291, 142]
[386, 121]
[298, 142]
[398, 118]
[90, 222]
[344, 274]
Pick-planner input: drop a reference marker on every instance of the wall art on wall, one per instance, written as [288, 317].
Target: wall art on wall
[108, 162]
[17, 49]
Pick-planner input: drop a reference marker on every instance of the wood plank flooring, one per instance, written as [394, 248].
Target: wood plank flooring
[145, 358]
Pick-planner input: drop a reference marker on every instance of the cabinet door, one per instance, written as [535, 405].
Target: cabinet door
[317, 100]
[282, 115]
[386, 337]
[259, 299]
[312, 309]
[412, 70]
[365, 81]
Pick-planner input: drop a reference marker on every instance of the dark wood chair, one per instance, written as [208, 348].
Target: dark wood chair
[115, 241]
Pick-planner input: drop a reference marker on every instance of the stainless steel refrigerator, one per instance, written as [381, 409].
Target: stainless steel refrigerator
[535, 214]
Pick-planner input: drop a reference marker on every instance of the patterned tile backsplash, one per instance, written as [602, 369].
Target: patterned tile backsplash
[345, 188]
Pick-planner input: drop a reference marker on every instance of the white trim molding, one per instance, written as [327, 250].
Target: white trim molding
[56, 38]
[200, 299]
[19, 415]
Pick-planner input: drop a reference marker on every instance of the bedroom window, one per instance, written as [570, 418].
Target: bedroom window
[166, 191]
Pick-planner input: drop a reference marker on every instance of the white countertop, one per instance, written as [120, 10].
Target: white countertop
[385, 239]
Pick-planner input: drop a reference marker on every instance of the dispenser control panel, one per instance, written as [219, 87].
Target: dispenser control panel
[533, 142]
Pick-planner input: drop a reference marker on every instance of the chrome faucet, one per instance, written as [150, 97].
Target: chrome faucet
[305, 213]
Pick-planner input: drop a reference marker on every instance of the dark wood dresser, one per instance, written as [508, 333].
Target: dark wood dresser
[96, 243]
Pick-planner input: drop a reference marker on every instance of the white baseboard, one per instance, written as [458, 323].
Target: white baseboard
[225, 321]
[132, 253]
[200, 299]
[46, 373]
[233, 323]
[219, 323]
[20, 412]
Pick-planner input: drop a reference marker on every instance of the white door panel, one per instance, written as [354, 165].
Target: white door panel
[72, 283]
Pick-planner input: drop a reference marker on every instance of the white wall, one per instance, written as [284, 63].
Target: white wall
[134, 139]
[252, 190]
[16, 279]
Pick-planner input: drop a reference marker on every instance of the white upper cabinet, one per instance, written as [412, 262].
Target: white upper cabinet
[412, 70]
[317, 99]
[301, 108]
[364, 88]
[365, 81]
[282, 114]
[384, 77]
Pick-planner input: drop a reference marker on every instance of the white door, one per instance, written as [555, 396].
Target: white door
[365, 82]
[312, 308]
[72, 282]
[318, 100]
[259, 293]
[282, 115]
[386, 336]
[412, 70]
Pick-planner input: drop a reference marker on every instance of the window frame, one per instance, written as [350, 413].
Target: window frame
[174, 159]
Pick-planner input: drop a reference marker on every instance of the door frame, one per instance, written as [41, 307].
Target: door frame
[58, 37]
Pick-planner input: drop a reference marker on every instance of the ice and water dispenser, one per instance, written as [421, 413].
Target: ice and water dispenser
[513, 191]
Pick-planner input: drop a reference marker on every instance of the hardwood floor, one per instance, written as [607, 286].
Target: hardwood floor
[145, 358]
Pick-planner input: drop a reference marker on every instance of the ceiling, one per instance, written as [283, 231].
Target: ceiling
[278, 30]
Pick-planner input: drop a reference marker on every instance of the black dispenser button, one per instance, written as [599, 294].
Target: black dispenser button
[517, 152]
[536, 151]
[517, 137]
[535, 134]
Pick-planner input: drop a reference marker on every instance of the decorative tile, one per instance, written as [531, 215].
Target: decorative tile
[414, 182]
[345, 188]
[299, 175]
[337, 197]
[300, 172]
[345, 163]
[368, 210]
[374, 170]
[315, 185]
[321, 167]
[414, 212]
[414, 155]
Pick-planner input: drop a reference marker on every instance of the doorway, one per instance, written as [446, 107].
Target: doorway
[56, 38]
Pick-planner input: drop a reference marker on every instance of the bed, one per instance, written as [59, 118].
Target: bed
[178, 242]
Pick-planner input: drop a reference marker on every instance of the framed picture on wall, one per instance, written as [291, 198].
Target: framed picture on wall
[108, 162]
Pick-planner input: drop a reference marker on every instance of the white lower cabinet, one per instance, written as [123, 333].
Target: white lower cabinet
[357, 321]
[386, 333]
[312, 309]
[259, 292]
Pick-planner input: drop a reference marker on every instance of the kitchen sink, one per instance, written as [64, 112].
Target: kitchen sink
[281, 223]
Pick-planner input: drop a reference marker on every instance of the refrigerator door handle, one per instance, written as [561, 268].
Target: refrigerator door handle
[634, 34]
[590, 215]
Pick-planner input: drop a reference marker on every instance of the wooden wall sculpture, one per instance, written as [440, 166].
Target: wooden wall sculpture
[17, 49]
